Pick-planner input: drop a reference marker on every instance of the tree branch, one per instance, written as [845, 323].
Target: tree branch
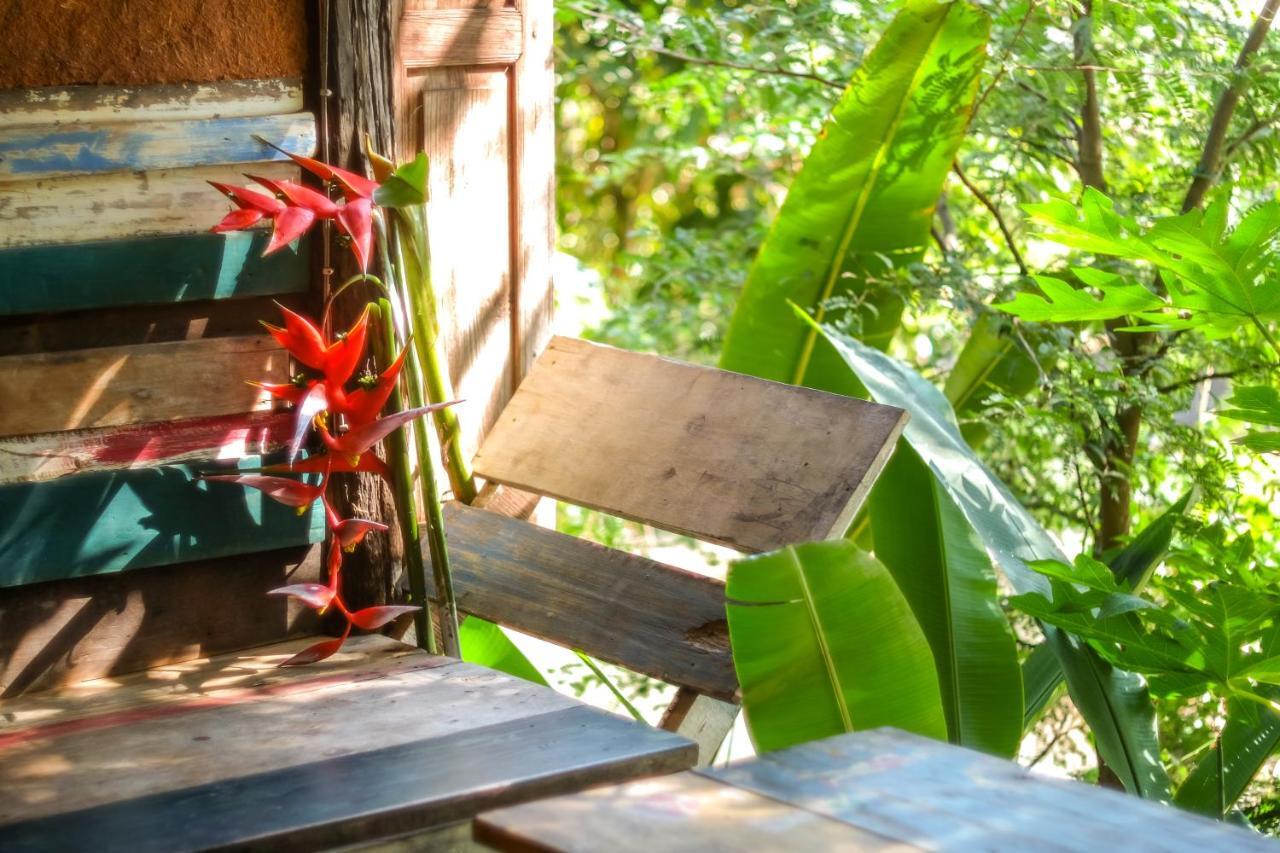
[986, 202]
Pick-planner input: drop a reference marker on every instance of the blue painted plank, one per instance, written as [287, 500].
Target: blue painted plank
[148, 271]
[104, 522]
[35, 152]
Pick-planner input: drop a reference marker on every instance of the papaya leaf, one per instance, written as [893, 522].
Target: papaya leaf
[1062, 303]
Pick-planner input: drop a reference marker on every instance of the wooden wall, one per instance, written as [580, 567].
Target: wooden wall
[126, 331]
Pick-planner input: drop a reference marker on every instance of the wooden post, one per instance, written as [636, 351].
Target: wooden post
[359, 78]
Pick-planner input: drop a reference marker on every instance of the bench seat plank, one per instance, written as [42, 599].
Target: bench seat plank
[727, 458]
[628, 610]
[382, 738]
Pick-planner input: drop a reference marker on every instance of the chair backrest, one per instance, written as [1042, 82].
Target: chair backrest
[722, 457]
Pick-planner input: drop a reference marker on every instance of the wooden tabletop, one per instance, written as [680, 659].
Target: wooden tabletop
[875, 790]
[379, 739]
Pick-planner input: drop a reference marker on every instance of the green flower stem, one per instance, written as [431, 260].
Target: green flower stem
[420, 297]
[406, 505]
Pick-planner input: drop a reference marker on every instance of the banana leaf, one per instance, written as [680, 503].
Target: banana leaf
[486, 644]
[1251, 735]
[864, 198]
[1116, 704]
[824, 643]
[946, 575]
[992, 361]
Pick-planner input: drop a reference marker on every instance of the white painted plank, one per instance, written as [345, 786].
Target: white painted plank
[107, 207]
[71, 104]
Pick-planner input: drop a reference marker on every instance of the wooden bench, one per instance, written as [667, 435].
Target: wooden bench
[721, 457]
[385, 739]
[873, 790]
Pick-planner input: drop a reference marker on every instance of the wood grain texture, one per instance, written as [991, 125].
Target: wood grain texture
[439, 38]
[751, 464]
[31, 152]
[684, 813]
[114, 386]
[623, 609]
[702, 719]
[533, 190]
[148, 270]
[467, 138]
[227, 758]
[48, 456]
[116, 206]
[59, 633]
[939, 796]
[103, 522]
[72, 104]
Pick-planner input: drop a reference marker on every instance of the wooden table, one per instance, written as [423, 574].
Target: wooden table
[875, 790]
[379, 740]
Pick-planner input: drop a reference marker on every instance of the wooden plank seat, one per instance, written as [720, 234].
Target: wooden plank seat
[725, 458]
[872, 790]
[378, 740]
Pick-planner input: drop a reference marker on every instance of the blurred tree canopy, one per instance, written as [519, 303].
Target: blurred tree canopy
[682, 123]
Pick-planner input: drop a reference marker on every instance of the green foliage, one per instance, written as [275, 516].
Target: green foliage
[864, 199]
[486, 644]
[942, 568]
[824, 643]
[406, 186]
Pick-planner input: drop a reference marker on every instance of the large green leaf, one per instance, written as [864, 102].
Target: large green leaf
[1115, 703]
[947, 577]
[1251, 735]
[864, 199]
[824, 643]
[486, 644]
[993, 361]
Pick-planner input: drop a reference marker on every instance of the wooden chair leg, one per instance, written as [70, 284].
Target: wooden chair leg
[705, 721]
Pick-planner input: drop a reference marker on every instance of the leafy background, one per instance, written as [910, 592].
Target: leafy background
[682, 123]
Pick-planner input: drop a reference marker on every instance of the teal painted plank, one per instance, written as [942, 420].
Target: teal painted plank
[148, 271]
[105, 522]
[35, 152]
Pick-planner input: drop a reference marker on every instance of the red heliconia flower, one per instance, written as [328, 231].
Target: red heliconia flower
[294, 493]
[342, 356]
[290, 224]
[372, 618]
[289, 392]
[364, 404]
[237, 220]
[314, 595]
[296, 195]
[355, 219]
[356, 441]
[353, 186]
[335, 567]
[368, 462]
[318, 651]
[247, 199]
[350, 532]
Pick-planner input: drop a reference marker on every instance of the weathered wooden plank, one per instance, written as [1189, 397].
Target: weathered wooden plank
[110, 207]
[748, 463]
[48, 456]
[58, 633]
[533, 190]
[467, 139]
[68, 104]
[372, 793]
[438, 38]
[226, 738]
[944, 797]
[624, 609]
[30, 152]
[702, 719]
[111, 521]
[114, 386]
[149, 270]
[684, 813]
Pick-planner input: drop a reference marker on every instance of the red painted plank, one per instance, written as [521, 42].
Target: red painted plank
[33, 458]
